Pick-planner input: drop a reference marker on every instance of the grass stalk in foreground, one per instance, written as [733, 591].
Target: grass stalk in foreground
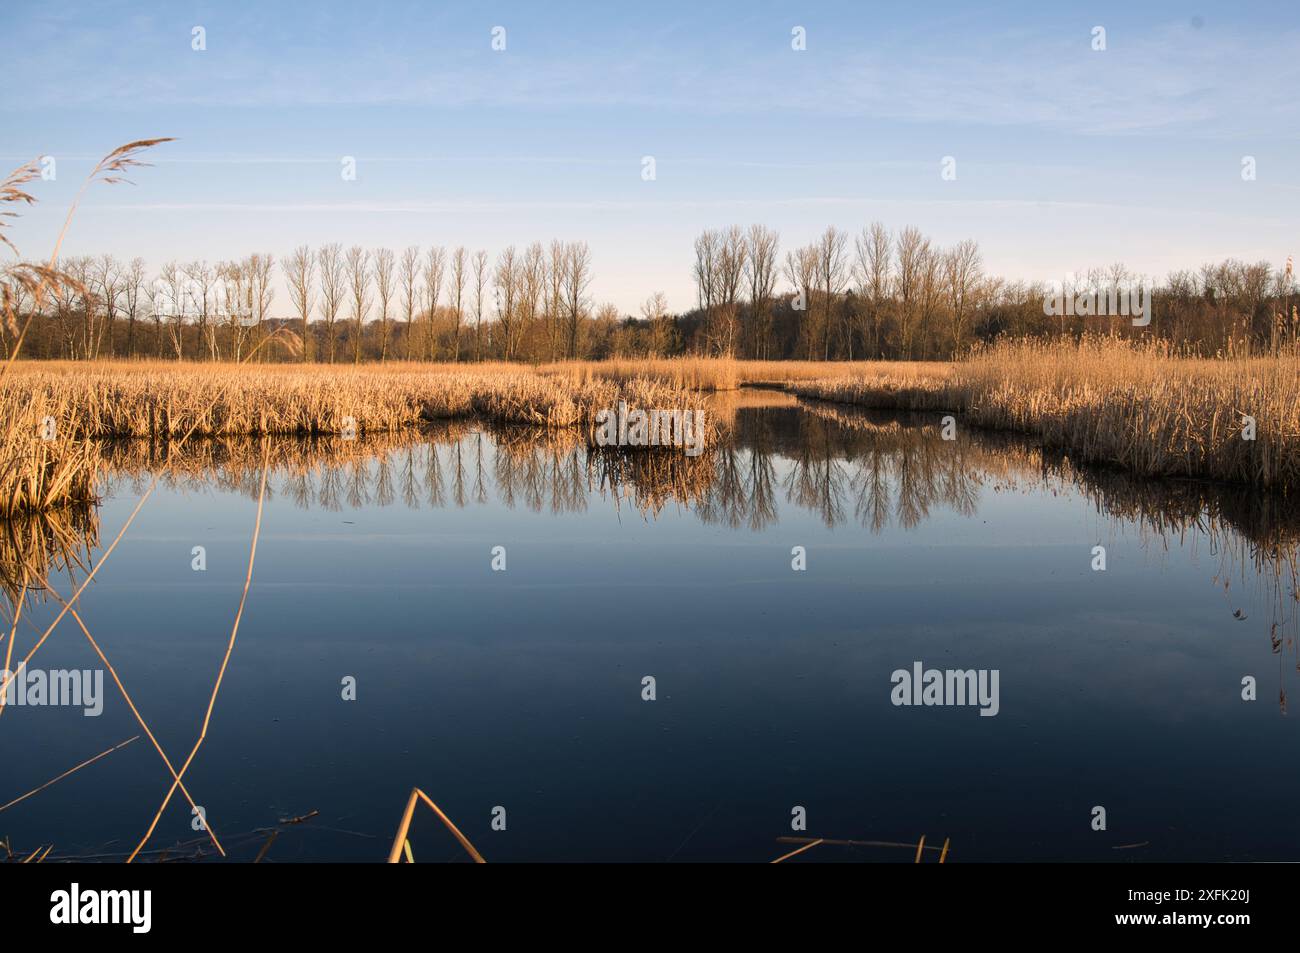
[225, 661]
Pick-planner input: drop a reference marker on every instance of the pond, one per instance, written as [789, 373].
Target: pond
[597, 655]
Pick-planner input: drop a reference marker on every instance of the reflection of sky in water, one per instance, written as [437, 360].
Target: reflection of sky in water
[522, 688]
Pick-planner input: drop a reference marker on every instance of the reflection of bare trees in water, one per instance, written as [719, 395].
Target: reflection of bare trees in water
[331, 480]
[870, 487]
[816, 482]
[410, 482]
[480, 487]
[457, 464]
[727, 500]
[886, 466]
[886, 470]
[842, 464]
[433, 483]
[569, 491]
[540, 469]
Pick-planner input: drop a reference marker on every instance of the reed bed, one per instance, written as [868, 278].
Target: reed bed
[1102, 400]
[164, 401]
[1113, 402]
[42, 466]
[83, 403]
[887, 390]
[724, 374]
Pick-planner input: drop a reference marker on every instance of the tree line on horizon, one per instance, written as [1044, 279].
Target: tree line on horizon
[874, 295]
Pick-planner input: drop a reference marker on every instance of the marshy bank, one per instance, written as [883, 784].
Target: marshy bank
[1110, 402]
[1103, 401]
[1140, 406]
[55, 415]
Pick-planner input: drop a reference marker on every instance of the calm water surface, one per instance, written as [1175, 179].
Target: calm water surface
[523, 688]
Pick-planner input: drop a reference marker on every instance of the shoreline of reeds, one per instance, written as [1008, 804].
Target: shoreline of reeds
[1104, 401]
[1110, 402]
[55, 414]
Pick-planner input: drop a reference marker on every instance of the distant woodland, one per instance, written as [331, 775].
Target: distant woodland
[876, 294]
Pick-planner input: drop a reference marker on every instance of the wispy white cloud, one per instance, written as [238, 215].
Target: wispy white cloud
[1208, 81]
[854, 202]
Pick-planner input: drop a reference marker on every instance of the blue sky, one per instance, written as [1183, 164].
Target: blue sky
[1066, 157]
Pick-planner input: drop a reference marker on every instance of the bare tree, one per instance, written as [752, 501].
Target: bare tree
[556, 269]
[480, 285]
[299, 274]
[408, 271]
[330, 260]
[732, 253]
[457, 290]
[358, 272]
[200, 292]
[605, 341]
[961, 274]
[872, 271]
[832, 274]
[108, 276]
[911, 250]
[655, 313]
[173, 281]
[706, 268]
[384, 293]
[434, 266]
[801, 272]
[577, 276]
[237, 300]
[261, 292]
[133, 299]
[532, 289]
[760, 271]
[708, 249]
[507, 281]
[156, 292]
[931, 294]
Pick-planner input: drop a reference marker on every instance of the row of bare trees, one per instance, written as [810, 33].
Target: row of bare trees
[434, 304]
[883, 294]
[191, 310]
[874, 294]
[858, 295]
[349, 304]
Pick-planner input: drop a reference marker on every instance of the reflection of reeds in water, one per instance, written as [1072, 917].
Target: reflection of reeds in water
[844, 464]
[324, 470]
[1254, 536]
[449, 463]
[83, 403]
[163, 401]
[1113, 402]
[887, 469]
[35, 545]
[650, 481]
